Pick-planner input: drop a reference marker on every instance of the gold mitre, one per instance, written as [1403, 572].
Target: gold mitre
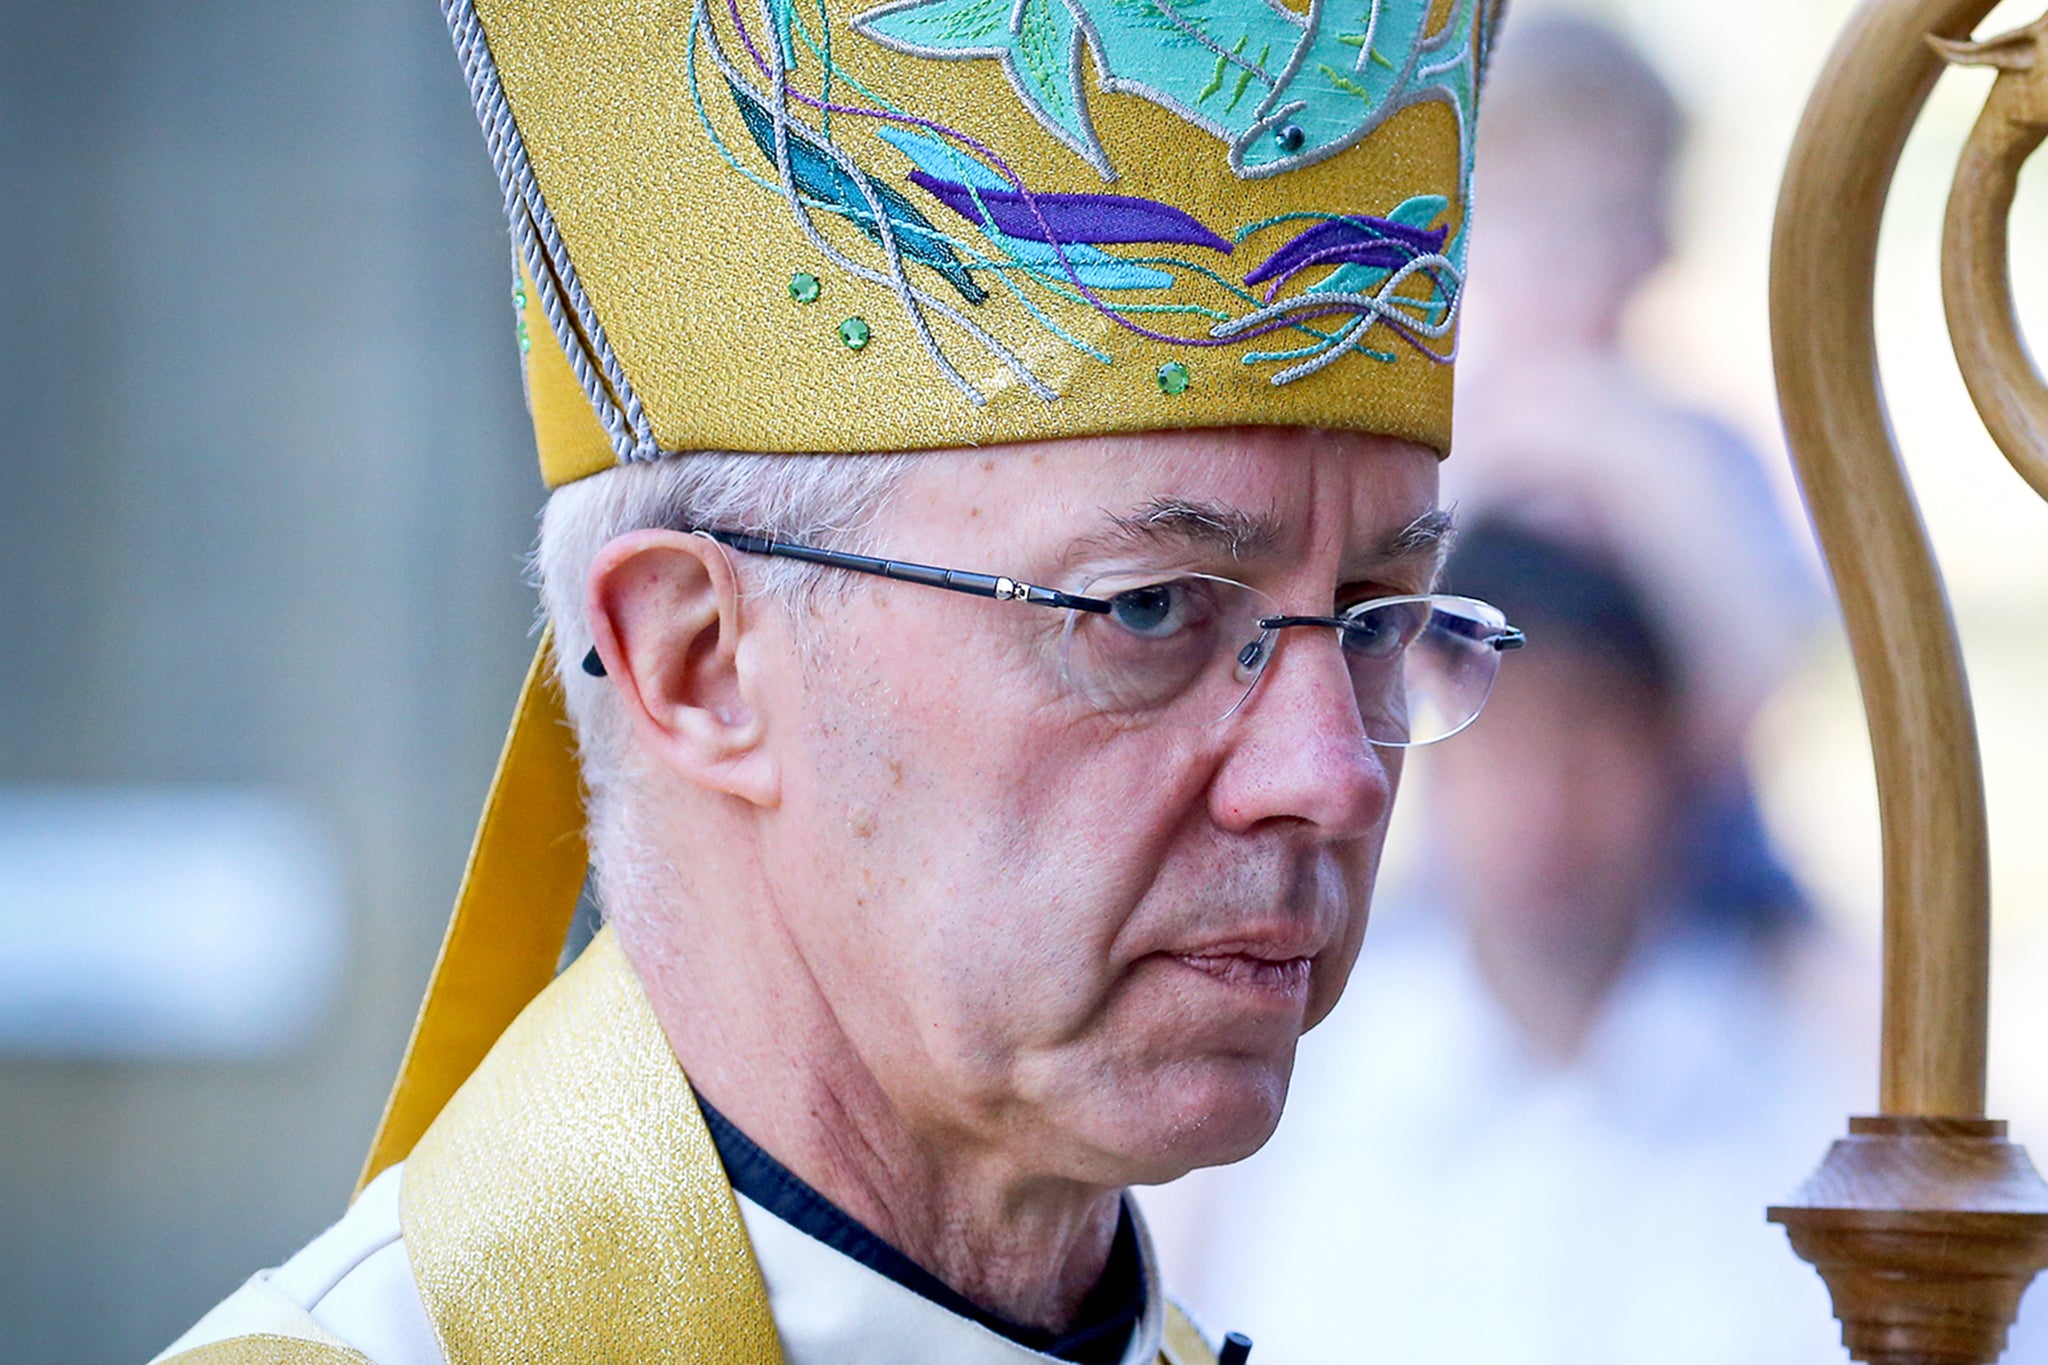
[870, 225]
[844, 225]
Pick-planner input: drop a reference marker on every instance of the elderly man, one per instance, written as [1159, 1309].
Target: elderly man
[980, 811]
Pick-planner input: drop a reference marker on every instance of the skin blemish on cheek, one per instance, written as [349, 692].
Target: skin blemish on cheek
[862, 822]
[895, 773]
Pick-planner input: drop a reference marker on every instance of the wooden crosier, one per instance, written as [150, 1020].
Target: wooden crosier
[1925, 1222]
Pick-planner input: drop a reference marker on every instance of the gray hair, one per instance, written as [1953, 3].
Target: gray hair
[823, 500]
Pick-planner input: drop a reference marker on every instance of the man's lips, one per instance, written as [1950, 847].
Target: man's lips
[1285, 977]
[1274, 963]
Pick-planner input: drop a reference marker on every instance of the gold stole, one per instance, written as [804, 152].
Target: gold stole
[568, 1205]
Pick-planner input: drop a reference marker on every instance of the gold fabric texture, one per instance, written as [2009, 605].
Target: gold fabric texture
[1183, 1344]
[268, 1349]
[572, 444]
[568, 1204]
[678, 223]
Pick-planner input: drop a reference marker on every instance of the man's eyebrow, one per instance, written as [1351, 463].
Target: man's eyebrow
[1179, 522]
[1431, 534]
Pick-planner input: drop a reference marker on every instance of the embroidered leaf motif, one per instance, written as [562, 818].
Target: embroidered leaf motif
[975, 19]
[1338, 80]
[1073, 217]
[1222, 66]
[1045, 52]
[1378, 242]
[1419, 211]
[1179, 27]
[966, 179]
[821, 179]
[1365, 250]
[1244, 78]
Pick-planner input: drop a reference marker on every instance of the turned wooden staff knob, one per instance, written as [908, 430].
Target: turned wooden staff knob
[1927, 1232]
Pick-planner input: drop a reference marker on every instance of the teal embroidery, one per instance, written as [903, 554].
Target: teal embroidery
[1373, 292]
[1418, 211]
[820, 49]
[1325, 84]
[918, 305]
[853, 196]
[1350, 275]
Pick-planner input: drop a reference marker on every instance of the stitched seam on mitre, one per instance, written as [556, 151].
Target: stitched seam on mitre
[538, 240]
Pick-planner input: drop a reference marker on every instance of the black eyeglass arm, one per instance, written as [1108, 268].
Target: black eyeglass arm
[998, 586]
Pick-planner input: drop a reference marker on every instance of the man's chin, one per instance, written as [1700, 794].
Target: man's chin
[1209, 1113]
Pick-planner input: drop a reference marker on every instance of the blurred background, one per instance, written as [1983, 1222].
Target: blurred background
[265, 482]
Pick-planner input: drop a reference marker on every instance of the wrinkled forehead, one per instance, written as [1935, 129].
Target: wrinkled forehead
[1272, 495]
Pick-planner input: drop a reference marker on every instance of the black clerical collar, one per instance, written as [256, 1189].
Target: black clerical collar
[1101, 1332]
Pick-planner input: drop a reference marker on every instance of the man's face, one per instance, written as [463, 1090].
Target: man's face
[1087, 943]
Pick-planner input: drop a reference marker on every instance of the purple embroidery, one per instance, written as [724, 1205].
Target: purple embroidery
[1351, 241]
[1090, 218]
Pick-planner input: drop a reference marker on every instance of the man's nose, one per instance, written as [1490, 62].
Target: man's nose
[1298, 749]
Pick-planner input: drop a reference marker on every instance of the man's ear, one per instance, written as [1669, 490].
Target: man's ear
[666, 617]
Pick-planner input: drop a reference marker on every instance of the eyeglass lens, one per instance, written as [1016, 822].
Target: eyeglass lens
[1420, 667]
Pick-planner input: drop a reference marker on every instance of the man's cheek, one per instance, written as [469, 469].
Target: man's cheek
[1332, 968]
[1330, 973]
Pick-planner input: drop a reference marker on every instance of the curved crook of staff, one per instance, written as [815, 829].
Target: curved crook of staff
[1976, 281]
[1925, 1222]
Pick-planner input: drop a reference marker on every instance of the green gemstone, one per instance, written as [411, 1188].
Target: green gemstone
[803, 287]
[1173, 377]
[519, 296]
[854, 332]
[525, 341]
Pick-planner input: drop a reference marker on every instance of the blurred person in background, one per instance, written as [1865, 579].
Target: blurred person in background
[1599, 1030]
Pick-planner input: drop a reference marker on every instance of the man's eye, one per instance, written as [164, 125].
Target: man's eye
[1158, 611]
[1382, 632]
